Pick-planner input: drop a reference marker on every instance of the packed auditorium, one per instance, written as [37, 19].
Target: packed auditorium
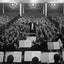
[31, 32]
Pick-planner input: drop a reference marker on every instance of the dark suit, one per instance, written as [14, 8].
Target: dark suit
[54, 63]
[32, 27]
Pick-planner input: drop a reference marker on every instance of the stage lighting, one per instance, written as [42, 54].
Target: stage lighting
[13, 5]
[53, 4]
[33, 5]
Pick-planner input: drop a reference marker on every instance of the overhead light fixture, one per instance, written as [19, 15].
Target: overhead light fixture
[53, 4]
[33, 4]
[13, 5]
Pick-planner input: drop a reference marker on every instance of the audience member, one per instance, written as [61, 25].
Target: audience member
[10, 59]
[56, 59]
[35, 60]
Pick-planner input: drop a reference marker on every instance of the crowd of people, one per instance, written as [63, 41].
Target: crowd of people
[59, 19]
[4, 32]
[44, 29]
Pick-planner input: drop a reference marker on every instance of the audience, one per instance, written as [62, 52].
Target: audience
[10, 59]
[45, 29]
[35, 60]
[57, 59]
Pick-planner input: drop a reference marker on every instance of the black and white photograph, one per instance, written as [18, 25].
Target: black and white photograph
[31, 32]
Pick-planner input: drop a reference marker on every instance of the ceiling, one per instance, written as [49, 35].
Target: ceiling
[32, 1]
